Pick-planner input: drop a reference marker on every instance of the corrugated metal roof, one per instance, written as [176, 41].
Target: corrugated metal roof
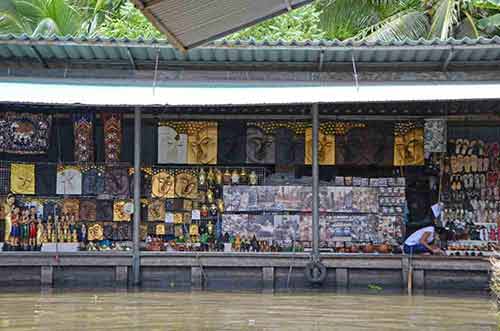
[128, 93]
[235, 52]
[190, 23]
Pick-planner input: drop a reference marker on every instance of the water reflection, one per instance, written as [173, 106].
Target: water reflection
[55, 310]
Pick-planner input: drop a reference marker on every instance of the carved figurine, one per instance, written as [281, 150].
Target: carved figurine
[41, 235]
[83, 233]
[9, 210]
[204, 211]
[213, 209]
[25, 229]
[15, 231]
[220, 205]
[227, 177]
[252, 178]
[32, 229]
[243, 177]
[50, 230]
[219, 180]
[211, 177]
[74, 236]
[210, 196]
[210, 228]
[202, 178]
[237, 243]
[235, 177]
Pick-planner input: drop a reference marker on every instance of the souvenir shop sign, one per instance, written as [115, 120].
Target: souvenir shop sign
[24, 133]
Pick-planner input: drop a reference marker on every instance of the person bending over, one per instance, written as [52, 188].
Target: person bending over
[420, 242]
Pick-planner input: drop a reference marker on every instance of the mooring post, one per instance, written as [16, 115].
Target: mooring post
[315, 183]
[136, 263]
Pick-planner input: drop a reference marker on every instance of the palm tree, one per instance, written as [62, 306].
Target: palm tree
[54, 17]
[389, 20]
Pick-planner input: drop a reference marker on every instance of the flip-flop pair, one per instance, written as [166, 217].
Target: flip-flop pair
[492, 178]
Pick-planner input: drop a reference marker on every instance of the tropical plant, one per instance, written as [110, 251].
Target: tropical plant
[300, 24]
[389, 20]
[128, 22]
[54, 17]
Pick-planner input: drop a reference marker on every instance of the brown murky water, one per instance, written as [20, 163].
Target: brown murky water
[241, 311]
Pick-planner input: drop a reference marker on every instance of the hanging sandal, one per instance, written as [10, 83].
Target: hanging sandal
[458, 146]
[465, 147]
[472, 147]
[460, 163]
[474, 163]
[467, 163]
[486, 164]
[453, 164]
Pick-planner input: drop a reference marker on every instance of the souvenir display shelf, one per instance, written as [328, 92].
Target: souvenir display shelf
[471, 190]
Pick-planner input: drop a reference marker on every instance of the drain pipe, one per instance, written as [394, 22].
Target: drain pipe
[315, 271]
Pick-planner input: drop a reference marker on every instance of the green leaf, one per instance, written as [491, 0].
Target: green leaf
[487, 4]
[489, 23]
[410, 24]
[445, 17]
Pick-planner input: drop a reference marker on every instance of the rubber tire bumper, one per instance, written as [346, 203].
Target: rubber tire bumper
[315, 272]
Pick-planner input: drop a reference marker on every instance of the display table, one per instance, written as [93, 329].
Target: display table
[61, 247]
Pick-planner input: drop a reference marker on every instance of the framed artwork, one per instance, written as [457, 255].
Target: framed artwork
[172, 146]
[234, 224]
[286, 227]
[262, 226]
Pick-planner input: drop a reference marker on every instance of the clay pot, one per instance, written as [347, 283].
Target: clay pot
[369, 249]
[384, 249]
[354, 249]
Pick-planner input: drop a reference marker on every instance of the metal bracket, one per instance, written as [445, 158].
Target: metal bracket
[321, 60]
[355, 71]
[131, 58]
[446, 63]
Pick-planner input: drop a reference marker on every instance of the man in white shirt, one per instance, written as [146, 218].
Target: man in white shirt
[420, 241]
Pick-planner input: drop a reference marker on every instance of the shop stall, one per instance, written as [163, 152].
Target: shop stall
[232, 167]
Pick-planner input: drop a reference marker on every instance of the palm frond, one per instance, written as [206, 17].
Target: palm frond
[340, 19]
[409, 24]
[446, 16]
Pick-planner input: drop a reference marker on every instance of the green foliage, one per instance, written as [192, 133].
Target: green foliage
[300, 24]
[373, 20]
[128, 22]
[54, 17]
